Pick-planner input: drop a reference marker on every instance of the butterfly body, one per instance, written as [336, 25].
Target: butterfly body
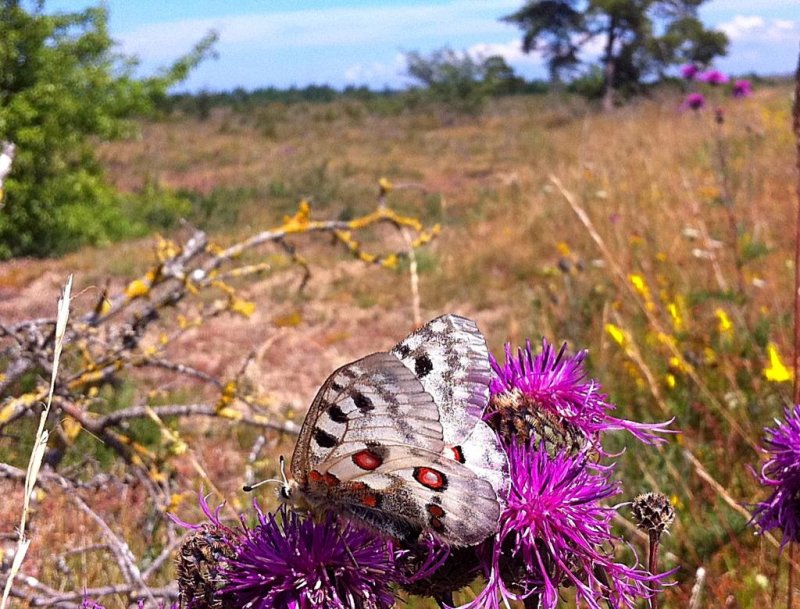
[395, 440]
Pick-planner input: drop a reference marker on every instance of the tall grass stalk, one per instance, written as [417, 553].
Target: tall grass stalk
[39, 445]
[796, 366]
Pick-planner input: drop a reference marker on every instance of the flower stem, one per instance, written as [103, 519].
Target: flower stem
[796, 387]
[652, 564]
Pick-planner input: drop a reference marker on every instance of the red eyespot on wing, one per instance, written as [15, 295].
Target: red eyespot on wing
[455, 453]
[435, 510]
[370, 500]
[357, 487]
[436, 524]
[368, 460]
[315, 476]
[330, 479]
[430, 478]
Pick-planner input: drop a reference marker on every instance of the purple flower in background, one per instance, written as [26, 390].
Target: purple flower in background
[555, 384]
[742, 88]
[713, 77]
[694, 101]
[781, 474]
[689, 71]
[294, 562]
[554, 532]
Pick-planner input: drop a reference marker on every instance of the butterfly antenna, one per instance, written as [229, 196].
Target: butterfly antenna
[251, 487]
[283, 481]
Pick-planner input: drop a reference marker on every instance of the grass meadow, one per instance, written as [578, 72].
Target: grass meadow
[660, 240]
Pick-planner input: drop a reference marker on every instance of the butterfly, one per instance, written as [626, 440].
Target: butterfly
[396, 440]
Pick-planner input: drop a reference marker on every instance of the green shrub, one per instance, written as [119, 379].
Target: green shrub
[62, 90]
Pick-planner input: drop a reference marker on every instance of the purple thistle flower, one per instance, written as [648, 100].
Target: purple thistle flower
[713, 77]
[742, 88]
[552, 532]
[556, 384]
[689, 71]
[694, 101]
[781, 474]
[300, 564]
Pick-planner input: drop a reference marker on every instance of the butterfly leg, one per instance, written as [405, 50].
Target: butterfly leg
[349, 552]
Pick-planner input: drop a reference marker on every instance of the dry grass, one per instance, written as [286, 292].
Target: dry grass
[514, 256]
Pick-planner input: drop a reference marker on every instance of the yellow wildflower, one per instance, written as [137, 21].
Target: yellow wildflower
[725, 325]
[776, 371]
[616, 333]
[675, 314]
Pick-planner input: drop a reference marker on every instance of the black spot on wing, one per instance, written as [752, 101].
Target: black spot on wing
[423, 365]
[336, 387]
[403, 351]
[336, 414]
[324, 439]
[362, 402]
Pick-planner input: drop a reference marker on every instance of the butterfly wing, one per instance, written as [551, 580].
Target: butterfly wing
[449, 357]
[373, 398]
[402, 490]
[451, 360]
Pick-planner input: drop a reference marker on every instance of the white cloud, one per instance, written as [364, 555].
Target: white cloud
[511, 51]
[753, 28]
[376, 72]
[322, 27]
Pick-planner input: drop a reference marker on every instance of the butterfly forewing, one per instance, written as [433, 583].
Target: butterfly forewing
[449, 357]
[375, 399]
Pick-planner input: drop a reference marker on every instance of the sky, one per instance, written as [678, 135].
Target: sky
[283, 43]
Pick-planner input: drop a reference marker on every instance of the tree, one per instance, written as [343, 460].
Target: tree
[550, 26]
[640, 38]
[460, 82]
[63, 89]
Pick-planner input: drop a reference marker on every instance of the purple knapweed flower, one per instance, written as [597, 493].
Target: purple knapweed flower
[555, 532]
[713, 77]
[555, 384]
[781, 474]
[694, 101]
[742, 88]
[291, 561]
[689, 71]
[294, 562]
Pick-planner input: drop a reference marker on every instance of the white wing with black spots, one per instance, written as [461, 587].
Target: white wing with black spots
[450, 358]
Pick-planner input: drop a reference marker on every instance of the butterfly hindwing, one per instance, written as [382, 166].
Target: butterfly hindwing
[450, 358]
[404, 490]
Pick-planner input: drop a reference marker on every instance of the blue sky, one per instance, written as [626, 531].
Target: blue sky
[341, 42]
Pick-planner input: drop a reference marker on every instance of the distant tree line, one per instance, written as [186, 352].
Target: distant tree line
[446, 76]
